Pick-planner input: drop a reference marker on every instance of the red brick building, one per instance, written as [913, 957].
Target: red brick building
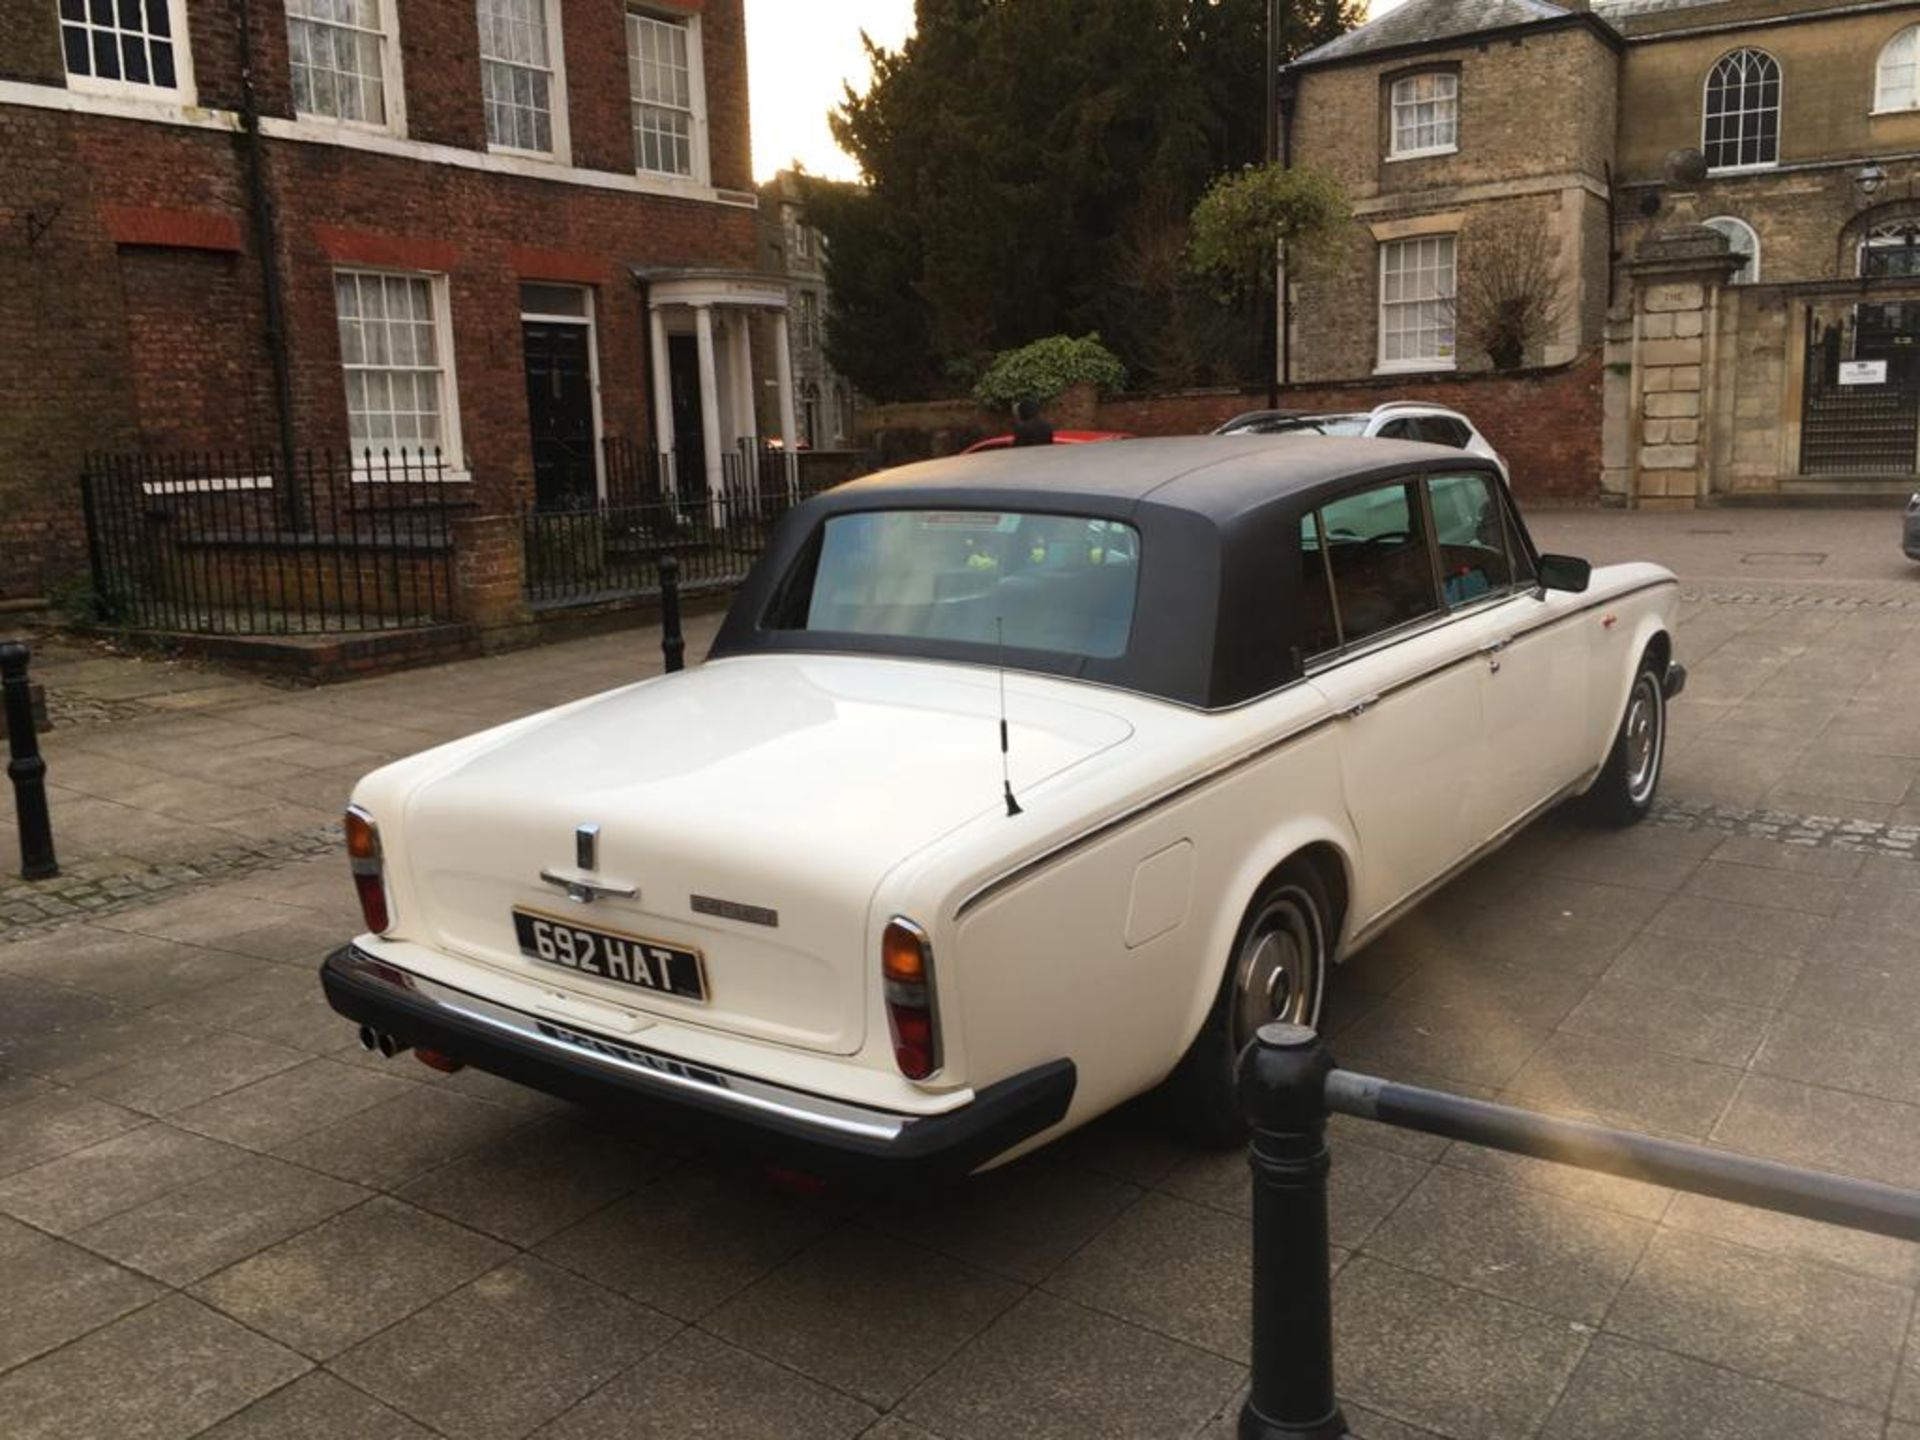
[505, 229]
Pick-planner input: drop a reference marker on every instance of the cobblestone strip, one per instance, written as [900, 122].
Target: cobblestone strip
[1813, 832]
[86, 891]
[1801, 600]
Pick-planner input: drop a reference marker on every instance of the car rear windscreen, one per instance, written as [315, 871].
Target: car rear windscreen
[1059, 583]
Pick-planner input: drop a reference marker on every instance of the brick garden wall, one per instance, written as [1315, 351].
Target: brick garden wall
[134, 317]
[1545, 422]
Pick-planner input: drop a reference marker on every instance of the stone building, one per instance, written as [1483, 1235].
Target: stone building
[1719, 192]
[792, 248]
[518, 232]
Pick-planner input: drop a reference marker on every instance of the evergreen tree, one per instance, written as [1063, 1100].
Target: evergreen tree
[1021, 157]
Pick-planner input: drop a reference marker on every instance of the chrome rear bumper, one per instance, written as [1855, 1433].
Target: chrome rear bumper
[812, 1131]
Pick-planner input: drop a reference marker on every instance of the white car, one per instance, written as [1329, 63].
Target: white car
[1395, 420]
[1014, 786]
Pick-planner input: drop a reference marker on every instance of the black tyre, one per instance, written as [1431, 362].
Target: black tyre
[1623, 795]
[1277, 971]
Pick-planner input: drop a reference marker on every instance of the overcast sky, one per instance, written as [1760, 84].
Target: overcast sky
[800, 53]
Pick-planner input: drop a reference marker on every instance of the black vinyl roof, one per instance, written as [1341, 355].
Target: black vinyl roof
[1215, 476]
[1216, 614]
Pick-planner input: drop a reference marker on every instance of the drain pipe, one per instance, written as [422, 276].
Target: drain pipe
[266, 243]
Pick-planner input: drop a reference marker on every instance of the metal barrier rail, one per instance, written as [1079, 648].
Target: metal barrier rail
[1288, 1085]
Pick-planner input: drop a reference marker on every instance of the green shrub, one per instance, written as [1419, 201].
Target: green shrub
[1040, 371]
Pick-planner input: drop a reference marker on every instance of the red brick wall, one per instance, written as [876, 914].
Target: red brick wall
[105, 345]
[1545, 423]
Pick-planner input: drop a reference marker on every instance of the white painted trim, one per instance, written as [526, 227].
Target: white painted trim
[1779, 110]
[211, 485]
[1879, 72]
[697, 141]
[1415, 367]
[393, 78]
[378, 142]
[499, 163]
[1714, 221]
[1424, 154]
[116, 107]
[414, 474]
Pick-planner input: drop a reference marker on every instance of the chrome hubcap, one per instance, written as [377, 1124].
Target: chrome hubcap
[1279, 971]
[1645, 738]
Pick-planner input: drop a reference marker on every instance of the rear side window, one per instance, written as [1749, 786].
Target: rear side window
[1470, 529]
[1398, 430]
[1445, 430]
[1376, 548]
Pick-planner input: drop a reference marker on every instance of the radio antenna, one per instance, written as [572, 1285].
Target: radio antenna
[1006, 772]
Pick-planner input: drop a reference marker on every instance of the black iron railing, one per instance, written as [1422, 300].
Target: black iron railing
[222, 543]
[1288, 1085]
[612, 551]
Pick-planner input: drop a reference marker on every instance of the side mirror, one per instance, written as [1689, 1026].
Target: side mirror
[1565, 572]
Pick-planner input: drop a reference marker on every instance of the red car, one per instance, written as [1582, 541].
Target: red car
[1060, 437]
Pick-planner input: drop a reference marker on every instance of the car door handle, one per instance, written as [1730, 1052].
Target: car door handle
[1360, 707]
[1496, 647]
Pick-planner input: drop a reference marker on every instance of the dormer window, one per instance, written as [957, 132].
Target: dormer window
[1425, 115]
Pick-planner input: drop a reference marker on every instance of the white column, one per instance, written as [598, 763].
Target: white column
[663, 399]
[746, 423]
[783, 347]
[709, 409]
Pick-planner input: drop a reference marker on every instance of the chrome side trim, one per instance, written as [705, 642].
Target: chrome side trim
[1046, 857]
[653, 1069]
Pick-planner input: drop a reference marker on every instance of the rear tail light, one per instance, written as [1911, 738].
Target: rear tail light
[369, 869]
[906, 966]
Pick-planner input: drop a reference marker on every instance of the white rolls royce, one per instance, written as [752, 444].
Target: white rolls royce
[1013, 787]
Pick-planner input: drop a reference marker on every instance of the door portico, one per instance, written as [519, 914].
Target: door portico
[716, 309]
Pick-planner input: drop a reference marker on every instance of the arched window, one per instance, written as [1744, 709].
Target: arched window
[1743, 112]
[1743, 242]
[1891, 248]
[1897, 84]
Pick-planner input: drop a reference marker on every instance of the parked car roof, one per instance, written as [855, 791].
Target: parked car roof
[1060, 437]
[1219, 524]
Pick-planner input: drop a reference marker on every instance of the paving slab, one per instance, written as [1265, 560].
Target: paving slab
[57, 1292]
[326, 1289]
[508, 1352]
[698, 1387]
[318, 1406]
[1052, 1370]
[899, 1313]
[1810, 1327]
[176, 1367]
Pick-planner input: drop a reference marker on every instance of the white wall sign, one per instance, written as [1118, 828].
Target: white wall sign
[1863, 372]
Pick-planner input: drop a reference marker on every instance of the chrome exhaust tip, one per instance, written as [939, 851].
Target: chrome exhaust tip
[390, 1047]
[369, 1041]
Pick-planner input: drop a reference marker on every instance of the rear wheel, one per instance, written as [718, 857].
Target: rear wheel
[1277, 971]
[1624, 792]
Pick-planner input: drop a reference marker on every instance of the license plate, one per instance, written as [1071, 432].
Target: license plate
[623, 959]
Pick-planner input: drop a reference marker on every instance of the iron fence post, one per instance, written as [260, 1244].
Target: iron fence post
[672, 644]
[1282, 1091]
[26, 769]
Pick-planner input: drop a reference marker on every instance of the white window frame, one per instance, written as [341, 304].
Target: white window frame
[181, 92]
[1728, 225]
[392, 79]
[1779, 113]
[452, 453]
[1412, 364]
[696, 95]
[1911, 35]
[591, 320]
[1395, 104]
[562, 150]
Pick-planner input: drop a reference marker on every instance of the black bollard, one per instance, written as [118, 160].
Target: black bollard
[1282, 1089]
[672, 644]
[26, 769]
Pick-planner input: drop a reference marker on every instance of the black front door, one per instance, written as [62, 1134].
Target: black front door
[689, 446]
[560, 409]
